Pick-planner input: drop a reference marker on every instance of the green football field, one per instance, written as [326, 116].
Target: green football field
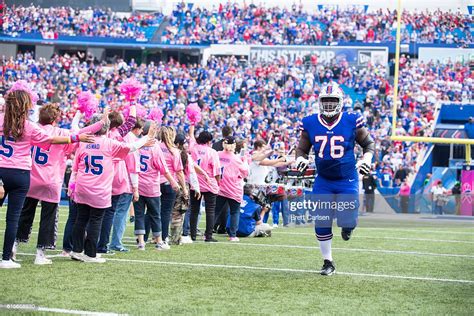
[393, 264]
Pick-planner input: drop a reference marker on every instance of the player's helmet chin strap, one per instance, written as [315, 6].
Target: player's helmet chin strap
[330, 106]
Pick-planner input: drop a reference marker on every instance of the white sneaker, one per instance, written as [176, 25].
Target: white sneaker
[162, 246]
[42, 260]
[186, 240]
[275, 225]
[9, 264]
[234, 239]
[88, 259]
[77, 256]
[141, 247]
[65, 254]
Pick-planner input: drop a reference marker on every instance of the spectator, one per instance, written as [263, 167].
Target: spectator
[439, 197]
[456, 191]
[226, 132]
[369, 184]
[404, 196]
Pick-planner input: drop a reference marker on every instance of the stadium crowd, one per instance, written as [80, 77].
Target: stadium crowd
[252, 24]
[72, 22]
[248, 24]
[259, 100]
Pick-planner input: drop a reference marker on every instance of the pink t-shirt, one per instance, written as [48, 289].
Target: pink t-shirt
[208, 160]
[47, 170]
[17, 154]
[121, 183]
[94, 166]
[233, 173]
[173, 161]
[405, 190]
[152, 164]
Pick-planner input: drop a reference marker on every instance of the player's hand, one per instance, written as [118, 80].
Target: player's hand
[197, 195]
[86, 138]
[152, 131]
[2, 192]
[364, 167]
[136, 196]
[150, 143]
[206, 178]
[301, 164]
[175, 186]
[105, 116]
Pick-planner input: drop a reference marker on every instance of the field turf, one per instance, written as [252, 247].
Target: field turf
[392, 265]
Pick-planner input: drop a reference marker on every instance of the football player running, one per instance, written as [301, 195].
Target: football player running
[333, 135]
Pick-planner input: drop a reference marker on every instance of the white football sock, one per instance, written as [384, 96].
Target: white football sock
[326, 249]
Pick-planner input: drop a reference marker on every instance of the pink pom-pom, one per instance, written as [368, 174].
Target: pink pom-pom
[193, 112]
[156, 115]
[131, 89]
[24, 86]
[87, 103]
[141, 111]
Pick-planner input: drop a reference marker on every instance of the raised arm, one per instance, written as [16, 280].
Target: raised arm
[126, 127]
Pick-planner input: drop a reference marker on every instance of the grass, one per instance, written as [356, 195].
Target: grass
[177, 282]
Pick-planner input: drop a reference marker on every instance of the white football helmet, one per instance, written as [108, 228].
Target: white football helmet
[331, 100]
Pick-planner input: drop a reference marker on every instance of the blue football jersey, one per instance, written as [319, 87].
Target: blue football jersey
[334, 144]
[249, 211]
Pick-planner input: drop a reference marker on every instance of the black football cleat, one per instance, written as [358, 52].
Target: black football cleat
[328, 268]
[346, 234]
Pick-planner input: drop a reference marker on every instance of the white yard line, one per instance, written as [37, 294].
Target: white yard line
[353, 250]
[385, 251]
[34, 308]
[225, 266]
[383, 237]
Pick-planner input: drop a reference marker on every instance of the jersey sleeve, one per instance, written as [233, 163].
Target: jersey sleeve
[359, 120]
[159, 160]
[303, 126]
[216, 164]
[118, 149]
[132, 163]
[38, 136]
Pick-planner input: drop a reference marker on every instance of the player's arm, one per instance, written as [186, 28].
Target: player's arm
[302, 151]
[367, 143]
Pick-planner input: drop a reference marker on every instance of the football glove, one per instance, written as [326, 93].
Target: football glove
[365, 164]
[301, 164]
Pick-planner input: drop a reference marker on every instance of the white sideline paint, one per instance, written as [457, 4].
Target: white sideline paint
[397, 252]
[25, 307]
[224, 266]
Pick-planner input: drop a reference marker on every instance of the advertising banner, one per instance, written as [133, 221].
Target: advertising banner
[357, 56]
[467, 196]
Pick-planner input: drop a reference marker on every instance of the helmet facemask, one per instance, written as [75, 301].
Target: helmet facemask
[330, 106]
